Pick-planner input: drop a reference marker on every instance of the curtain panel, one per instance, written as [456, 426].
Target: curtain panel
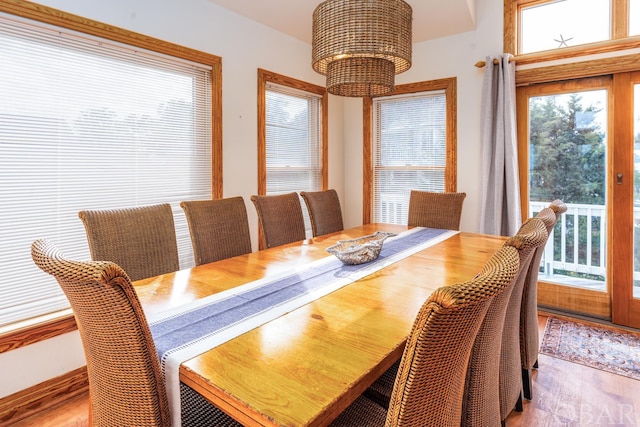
[500, 208]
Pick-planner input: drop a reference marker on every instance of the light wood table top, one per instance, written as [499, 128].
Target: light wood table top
[307, 366]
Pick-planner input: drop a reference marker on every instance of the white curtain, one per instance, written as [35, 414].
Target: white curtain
[500, 208]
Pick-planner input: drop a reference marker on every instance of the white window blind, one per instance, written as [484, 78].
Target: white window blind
[89, 124]
[293, 141]
[409, 151]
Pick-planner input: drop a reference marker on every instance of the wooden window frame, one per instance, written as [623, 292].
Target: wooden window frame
[578, 61]
[607, 59]
[449, 86]
[48, 326]
[265, 77]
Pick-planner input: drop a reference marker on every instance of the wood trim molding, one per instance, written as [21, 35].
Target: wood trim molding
[367, 161]
[579, 301]
[32, 333]
[620, 11]
[25, 403]
[37, 12]
[451, 173]
[449, 85]
[510, 16]
[325, 142]
[581, 53]
[216, 130]
[263, 77]
[575, 70]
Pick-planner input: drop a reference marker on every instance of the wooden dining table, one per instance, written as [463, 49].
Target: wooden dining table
[306, 366]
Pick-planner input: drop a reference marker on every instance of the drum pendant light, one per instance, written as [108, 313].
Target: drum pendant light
[361, 44]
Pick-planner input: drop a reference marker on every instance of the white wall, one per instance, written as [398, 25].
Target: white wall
[452, 56]
[244, 47]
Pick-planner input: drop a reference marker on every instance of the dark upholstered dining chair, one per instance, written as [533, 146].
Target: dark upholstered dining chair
[324, 211]
[435, 210]
[280, 218]
[482, 399]
[142, 240]
[126, 386]
[430, 383]
[529, 340]
[219, 228]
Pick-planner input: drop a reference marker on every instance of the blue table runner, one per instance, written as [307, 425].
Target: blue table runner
[184, 332]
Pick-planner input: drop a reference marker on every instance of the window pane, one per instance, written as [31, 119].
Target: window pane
[634, 17]
[409, 152]
[567, 161]
[564, 23]
[293, 142]
[87, 125]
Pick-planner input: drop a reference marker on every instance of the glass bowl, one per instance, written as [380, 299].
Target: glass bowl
[361, 249]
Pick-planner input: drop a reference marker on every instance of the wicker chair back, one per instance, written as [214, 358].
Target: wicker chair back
[324, 211]
[219, 228]
[141, 240]
[435, 210]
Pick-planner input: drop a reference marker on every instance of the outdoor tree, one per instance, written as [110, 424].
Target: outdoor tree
[567, 162]
[567, 158]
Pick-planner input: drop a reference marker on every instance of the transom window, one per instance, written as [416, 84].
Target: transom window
[543, 30]
[559, 24]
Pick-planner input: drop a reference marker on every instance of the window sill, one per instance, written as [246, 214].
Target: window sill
[35, 330]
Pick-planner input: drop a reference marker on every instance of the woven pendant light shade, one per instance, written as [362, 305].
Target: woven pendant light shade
[361, 44]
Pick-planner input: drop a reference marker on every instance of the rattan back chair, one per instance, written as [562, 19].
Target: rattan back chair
[324, 211]
[435, 210]
[280, 218]
[430, 383]
[558, 207]
[529, 339]
[534, 232]
[126, 386]
[141, 240]
[219, 228]
[482, 399]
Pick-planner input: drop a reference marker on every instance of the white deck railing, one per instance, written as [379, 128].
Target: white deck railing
[588, 221]
[583, 229]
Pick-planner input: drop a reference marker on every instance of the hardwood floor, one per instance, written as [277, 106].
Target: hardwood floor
[573, 395]
[73, 413]
[564, 394]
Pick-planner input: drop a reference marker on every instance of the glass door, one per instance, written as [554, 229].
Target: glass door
[564, 144]
[626, 212]
[634, 309]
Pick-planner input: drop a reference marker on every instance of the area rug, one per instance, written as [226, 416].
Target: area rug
[597, 347]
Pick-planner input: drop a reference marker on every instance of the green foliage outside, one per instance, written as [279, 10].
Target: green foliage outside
[568, 162]
[567, 158]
